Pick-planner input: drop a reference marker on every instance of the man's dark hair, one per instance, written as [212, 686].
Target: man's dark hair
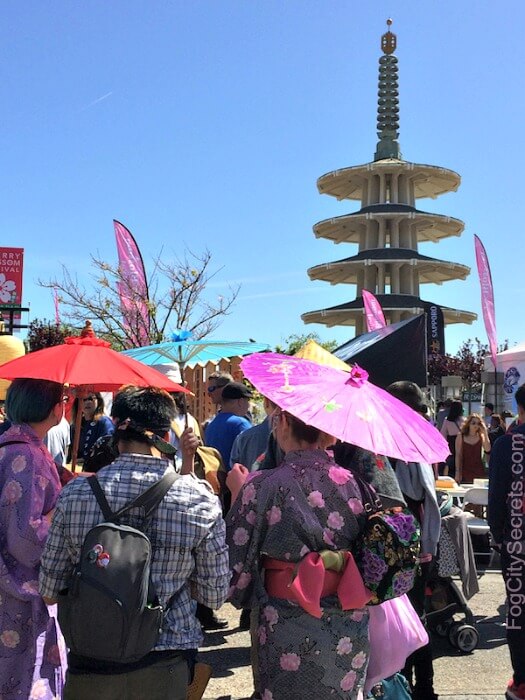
[409, 393]
[519, 396]
[302, 431]
[456, 410]
[221, 378]
[32, 400]
[145, 408]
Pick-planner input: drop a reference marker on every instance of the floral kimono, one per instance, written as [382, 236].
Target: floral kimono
[30, 655]
[308, 504]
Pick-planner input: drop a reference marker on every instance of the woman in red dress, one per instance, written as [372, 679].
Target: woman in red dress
[472, 443]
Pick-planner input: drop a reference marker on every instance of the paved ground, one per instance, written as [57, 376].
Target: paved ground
[482, 675]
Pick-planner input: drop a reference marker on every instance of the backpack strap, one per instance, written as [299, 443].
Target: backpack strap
[148, 500]
[151, 498]
[101, 497]
[12, 442]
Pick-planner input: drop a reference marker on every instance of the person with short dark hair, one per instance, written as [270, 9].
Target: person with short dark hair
[190, 557]
[231, 421]
[442, 412]
[497, 427]
[216, 382]
[506, 516]
[488, 410]
[29, 488]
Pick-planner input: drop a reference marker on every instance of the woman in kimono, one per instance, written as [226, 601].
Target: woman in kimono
[290, 534]
[30, 658]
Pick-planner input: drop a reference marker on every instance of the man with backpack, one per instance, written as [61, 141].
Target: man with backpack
[129, 554]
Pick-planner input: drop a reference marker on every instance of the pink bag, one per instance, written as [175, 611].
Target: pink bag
[395, 632]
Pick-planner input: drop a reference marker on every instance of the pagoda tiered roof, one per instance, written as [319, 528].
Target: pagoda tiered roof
[347, 314]
[349, 227]
[430, 270]
[429, 181]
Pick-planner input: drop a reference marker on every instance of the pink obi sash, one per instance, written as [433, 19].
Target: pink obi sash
[317, 575]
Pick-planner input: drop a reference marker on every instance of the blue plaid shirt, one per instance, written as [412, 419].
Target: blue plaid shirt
[187, 533]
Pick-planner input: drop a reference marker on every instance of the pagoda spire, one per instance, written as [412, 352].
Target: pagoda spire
[388, 102]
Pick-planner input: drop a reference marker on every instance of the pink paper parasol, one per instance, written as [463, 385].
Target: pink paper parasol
[347, 406]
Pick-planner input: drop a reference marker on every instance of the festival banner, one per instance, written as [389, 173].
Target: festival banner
[435, 329]
[487, 297]
[374, 315]
[133, 290]
[11, 273]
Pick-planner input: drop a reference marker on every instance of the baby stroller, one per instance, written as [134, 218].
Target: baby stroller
[445, 601]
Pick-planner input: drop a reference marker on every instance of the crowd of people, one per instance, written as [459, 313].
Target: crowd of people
[273, 532]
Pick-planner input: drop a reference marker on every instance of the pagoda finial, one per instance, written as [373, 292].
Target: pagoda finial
[388, 102]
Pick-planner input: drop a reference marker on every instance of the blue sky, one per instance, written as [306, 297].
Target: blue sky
[207, 123]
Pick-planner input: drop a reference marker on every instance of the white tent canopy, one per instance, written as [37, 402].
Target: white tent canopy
[512, 363]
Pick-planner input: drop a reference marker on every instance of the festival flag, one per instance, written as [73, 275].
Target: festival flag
[487, 297]
[374, 315]
[133, 289]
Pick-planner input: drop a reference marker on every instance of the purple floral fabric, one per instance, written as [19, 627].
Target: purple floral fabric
[30, 644]
[305, 505]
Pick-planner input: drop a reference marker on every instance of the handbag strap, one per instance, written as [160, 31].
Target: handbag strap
[371, 501]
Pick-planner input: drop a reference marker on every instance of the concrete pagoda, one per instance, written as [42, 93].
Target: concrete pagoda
[388, 227]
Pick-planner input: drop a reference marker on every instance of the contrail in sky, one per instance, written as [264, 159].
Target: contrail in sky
[95, 102]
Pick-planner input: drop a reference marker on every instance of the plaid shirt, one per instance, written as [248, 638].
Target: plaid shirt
[187, 534]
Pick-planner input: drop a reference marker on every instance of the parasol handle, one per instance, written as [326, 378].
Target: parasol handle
[78, 422]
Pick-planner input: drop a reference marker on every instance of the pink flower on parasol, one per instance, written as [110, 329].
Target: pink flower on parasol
[345, 405]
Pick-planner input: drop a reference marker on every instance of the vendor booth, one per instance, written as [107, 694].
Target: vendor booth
[511, 363]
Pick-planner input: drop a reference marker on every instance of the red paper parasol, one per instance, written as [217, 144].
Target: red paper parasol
[89, 364]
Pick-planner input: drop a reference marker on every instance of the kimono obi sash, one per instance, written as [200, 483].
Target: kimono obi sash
[317, 575]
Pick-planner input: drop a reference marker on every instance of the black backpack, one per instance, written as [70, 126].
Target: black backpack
[110, 611]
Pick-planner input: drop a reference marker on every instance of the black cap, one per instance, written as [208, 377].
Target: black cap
[489, 405]
[236, 390]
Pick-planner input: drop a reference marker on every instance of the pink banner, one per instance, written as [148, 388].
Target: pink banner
[374, 315]
[11, 271]
[487, 297]
[133, 289]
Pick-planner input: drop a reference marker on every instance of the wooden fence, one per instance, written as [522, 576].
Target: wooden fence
[200, 405]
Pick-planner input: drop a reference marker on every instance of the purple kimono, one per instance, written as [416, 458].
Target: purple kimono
[30, 657]
[306, 505]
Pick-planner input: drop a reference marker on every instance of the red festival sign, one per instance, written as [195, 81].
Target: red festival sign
[11, 269]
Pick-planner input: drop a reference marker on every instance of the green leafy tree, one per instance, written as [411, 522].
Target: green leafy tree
[45, 334]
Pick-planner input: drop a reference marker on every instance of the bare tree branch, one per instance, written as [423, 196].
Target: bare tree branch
[177, 300]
